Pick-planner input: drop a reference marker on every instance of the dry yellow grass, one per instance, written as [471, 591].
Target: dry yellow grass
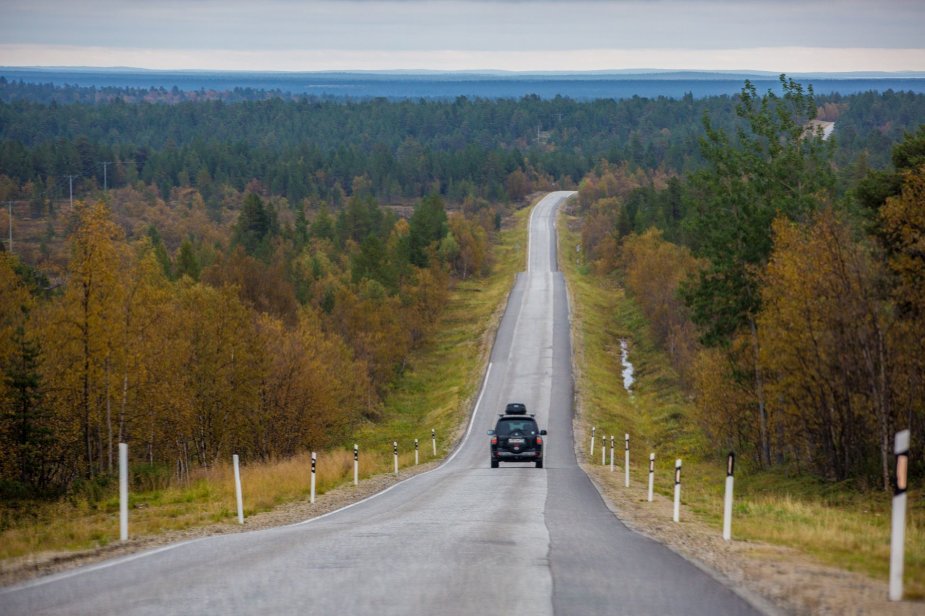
[79, 524]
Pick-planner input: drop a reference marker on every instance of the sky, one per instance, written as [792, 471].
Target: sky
[518, 35]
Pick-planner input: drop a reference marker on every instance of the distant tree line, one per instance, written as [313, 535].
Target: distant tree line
[310, 148]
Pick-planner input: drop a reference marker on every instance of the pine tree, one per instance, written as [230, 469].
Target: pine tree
[253, 226]
[26, 416]
[187, 263]
[773, 166]
[428, 225]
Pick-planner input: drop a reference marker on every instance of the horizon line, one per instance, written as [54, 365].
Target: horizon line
[641, 71]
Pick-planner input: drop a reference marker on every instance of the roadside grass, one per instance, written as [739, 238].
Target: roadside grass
[435, 392]
[834, 523]
[208, 498]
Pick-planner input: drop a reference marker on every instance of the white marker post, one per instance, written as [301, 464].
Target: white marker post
[677, 490]
[395, 453]
[314, 459]
[626, 462]
[591, 455]
[237, 489]
[727, 504]
[603, 451]
[433, 438]
[123, 491]
[415, 452]
[356, 464]
[898, 536]
[611, 453]
[651, 475]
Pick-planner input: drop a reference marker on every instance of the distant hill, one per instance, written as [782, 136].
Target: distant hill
[649, 83]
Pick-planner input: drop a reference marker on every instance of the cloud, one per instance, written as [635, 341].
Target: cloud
[786, 59]
[506, 28]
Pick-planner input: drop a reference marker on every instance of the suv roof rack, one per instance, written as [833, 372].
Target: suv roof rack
[515, 408]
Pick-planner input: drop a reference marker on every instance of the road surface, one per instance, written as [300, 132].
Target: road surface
[462, 539]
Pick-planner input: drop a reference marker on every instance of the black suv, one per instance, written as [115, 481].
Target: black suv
[516, 437]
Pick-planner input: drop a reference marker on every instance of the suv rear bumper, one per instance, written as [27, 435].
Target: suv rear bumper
[521, 456]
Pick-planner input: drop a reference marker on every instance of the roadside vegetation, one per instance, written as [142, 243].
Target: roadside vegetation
[765, 315]
[831, 521]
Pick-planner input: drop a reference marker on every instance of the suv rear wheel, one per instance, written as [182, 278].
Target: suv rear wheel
[539, 464]
[494, 464]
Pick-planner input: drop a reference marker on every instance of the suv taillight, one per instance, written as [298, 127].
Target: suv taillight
[539, 440]
[494, 440]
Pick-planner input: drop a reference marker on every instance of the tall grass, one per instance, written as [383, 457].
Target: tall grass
[435, 392]
[834, 523]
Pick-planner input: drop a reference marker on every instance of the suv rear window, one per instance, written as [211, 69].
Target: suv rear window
[507, 425]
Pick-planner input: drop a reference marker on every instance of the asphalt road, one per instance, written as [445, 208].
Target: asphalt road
[462, 539]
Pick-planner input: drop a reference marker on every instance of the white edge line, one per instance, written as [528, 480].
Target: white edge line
[121, 561]
[57, 577]
[529, 234]
[475, 411]
[392, 487]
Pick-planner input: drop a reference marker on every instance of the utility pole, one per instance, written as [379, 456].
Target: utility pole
[70, 183]
[9, 205]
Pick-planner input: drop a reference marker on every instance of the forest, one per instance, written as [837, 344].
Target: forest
[788, 293]
[251, 276]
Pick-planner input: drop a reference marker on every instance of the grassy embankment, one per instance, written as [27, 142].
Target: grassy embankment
[831, 522]
[434, 393]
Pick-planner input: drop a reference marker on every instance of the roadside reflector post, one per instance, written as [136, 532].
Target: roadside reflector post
[727, 504]
[314, 460]
[626, 461]
[356, 464]
[591, 455]
[603, 450]
[237, 488]
[433, 438]
[898, 535]
[395, 454]
[415, 452]
[651, 475]
[611, 453]
[677, 490]
[123, 491]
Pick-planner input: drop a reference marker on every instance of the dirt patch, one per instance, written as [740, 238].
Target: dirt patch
[16, 570]
[775, 579]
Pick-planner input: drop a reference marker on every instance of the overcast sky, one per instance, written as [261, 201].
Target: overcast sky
[288, 35]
